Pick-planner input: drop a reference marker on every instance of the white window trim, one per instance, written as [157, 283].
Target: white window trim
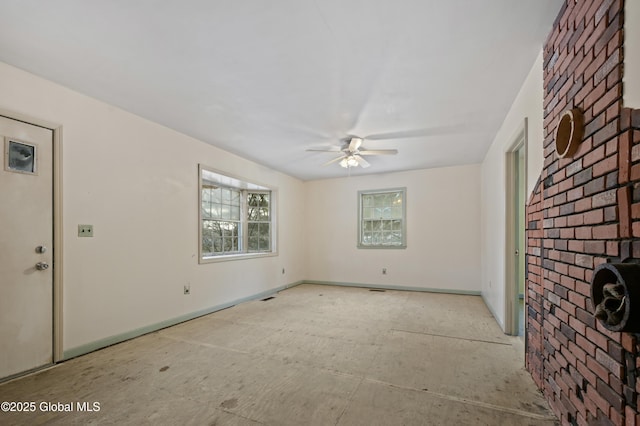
[228, 180]
[404, 219]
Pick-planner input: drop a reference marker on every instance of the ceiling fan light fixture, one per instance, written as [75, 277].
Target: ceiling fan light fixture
[349, 161]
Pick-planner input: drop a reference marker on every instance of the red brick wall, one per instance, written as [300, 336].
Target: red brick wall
[585, 211]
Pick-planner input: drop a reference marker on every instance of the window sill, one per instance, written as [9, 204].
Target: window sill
[239, 256]
[360, 246]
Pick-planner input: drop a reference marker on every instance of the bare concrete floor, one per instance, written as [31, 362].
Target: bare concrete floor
[313, 355]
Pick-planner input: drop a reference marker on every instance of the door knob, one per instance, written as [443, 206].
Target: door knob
[41, 266]
[41, 249]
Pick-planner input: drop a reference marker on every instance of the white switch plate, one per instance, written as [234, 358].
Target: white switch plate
[85, 230]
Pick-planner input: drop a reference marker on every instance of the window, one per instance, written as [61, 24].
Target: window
[382, 222]
[236, 217]
[259, 221]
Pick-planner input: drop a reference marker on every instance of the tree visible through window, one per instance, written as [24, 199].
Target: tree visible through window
[234, 220]
[382, 219]
[259, 218]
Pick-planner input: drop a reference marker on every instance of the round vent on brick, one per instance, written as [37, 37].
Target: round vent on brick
[615, 295]
[569, 133]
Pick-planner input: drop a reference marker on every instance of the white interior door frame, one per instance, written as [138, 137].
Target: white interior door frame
[57, 224]
[511, 192]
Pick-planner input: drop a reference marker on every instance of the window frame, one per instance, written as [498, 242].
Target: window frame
[403, 228]
[249, 221]
[245, 187]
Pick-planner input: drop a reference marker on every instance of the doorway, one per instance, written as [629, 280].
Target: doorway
[516, 188]
[26, 247]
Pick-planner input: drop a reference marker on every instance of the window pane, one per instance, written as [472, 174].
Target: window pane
[396, 212]
[235, 213]
[253, 243]
[226, 196]
[376, 238]
[227, 244]
[226, 212]
[367, 213]
[217, 244]
[264, 242]
[235, 198]
[253, 213]
[207, 240]
[215, 211]
[367, 238]
[263, 214]
[386, 225]
[388, 199]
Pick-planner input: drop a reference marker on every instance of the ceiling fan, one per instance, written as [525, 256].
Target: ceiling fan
[352, 155]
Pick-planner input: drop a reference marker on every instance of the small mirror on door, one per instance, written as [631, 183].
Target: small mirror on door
[20, 157]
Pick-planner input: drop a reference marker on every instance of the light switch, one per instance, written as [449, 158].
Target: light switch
[85, 230]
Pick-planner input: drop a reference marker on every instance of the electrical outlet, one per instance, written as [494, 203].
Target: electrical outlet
[187, 289]
[384, 271]
[85, 230]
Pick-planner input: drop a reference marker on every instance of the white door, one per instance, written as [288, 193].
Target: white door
[26, 247]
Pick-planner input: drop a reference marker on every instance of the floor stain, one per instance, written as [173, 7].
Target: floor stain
[165, 368]
[230, 403]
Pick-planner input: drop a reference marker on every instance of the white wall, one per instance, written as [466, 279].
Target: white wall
[631, 77]
[443, 231]
[137, 183]
[528, 104]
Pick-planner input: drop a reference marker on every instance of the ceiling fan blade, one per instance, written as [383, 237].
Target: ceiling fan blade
[417, 133]
[361, 161]
[336, 149]
[334, 160]
[378, 152]
[355, 144]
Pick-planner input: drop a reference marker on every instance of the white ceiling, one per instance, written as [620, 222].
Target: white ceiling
[270, 79]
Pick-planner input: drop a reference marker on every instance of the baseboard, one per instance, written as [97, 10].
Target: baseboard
[399, 288]
[112, 340]
[495, 317]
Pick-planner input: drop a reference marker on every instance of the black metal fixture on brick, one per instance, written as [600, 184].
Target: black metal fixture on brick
[615, 294]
